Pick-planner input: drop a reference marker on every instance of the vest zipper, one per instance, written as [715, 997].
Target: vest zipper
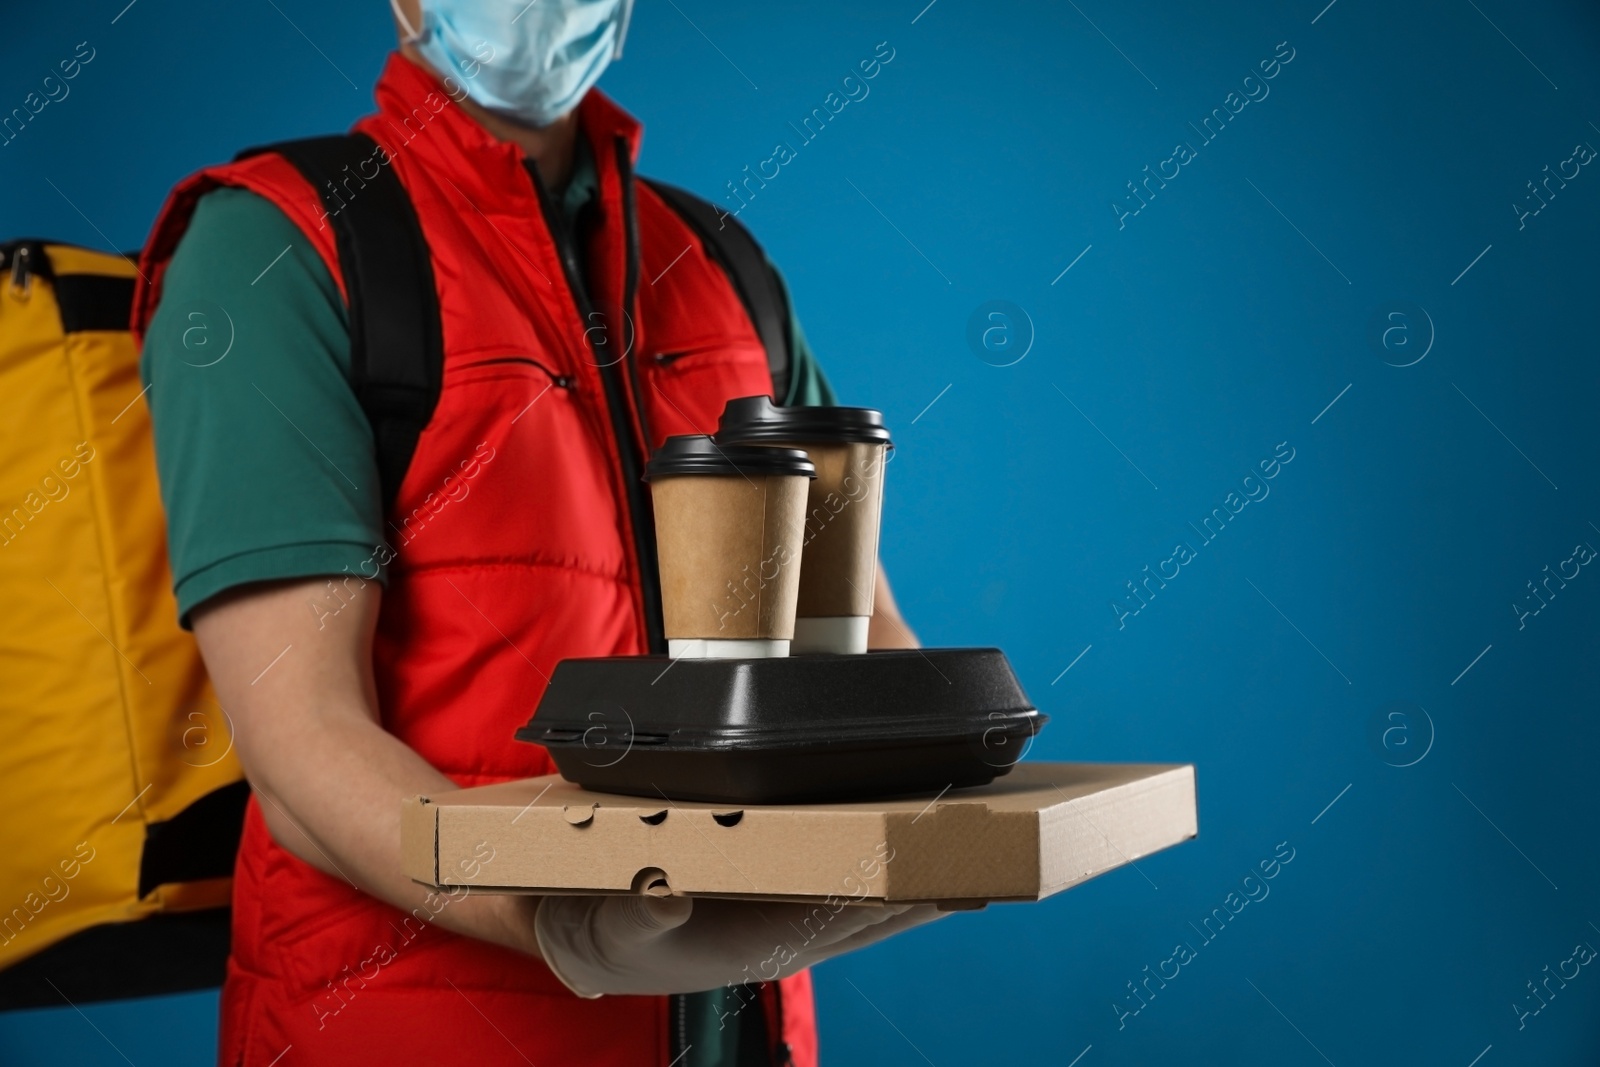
[630, 284]
[678, 1004]
[618, 404]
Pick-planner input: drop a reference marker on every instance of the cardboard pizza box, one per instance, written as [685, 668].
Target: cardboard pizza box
[1042, 828]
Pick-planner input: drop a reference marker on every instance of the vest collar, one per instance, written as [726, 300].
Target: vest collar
[404, 87]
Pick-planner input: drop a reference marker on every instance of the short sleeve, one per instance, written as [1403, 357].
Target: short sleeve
[266, 460]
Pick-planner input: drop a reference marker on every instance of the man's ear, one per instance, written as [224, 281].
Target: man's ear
[407, 18]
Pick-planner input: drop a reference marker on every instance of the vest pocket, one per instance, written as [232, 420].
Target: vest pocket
[687, 360]
[688, 385]
[509, 366]
[511, 468]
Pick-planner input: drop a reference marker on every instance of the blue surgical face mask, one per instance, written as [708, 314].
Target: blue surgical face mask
[530, 62]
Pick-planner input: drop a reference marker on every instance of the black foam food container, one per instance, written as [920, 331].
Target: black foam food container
[800, 729]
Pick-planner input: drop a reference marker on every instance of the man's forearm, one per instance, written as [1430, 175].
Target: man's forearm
[328, 777]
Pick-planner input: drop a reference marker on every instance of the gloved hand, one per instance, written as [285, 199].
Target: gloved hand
[657, 945]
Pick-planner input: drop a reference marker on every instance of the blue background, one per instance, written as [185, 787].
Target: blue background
[1197, 337]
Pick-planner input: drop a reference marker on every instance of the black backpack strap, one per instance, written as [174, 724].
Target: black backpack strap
[396, 341]
[733, 247]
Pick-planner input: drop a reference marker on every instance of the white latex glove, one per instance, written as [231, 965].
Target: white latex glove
[657, 945]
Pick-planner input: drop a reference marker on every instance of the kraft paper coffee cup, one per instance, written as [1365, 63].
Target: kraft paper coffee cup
[844, 509]
[730, 524]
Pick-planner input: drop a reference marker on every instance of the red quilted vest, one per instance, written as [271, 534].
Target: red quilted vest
[487, 590]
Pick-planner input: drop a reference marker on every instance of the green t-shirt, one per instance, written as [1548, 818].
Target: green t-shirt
[266, 460]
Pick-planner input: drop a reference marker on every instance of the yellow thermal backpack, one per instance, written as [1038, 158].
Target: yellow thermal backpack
[120, 794]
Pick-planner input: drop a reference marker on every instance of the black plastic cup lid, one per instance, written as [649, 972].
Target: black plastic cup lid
[699, 454]
[756, 419]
